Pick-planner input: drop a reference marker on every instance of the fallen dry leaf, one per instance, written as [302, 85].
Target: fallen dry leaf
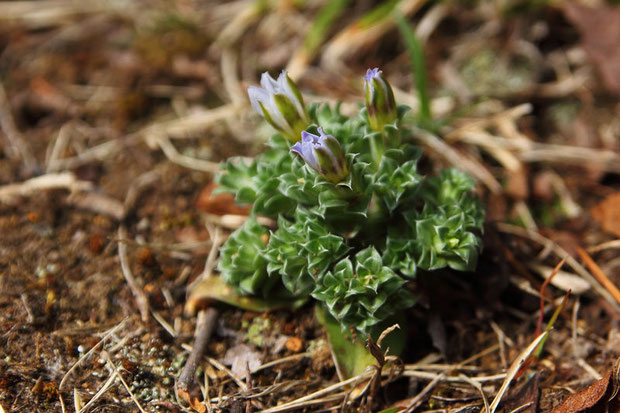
[294, 344]
[242, 359]
[600, 396]
[193, 401]
[600, 36]
[607, 214]
[219, 204]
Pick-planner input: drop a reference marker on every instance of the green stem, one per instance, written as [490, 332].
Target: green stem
[376, 149]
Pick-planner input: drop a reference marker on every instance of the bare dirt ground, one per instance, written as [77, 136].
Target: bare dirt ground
[114, 116]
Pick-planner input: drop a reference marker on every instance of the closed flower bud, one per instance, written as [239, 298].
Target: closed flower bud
[379, 100]
[324, 154]
[281, 104]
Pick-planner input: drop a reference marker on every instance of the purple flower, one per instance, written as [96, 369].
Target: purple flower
[324, 154]
[379, 99]
[281, 104]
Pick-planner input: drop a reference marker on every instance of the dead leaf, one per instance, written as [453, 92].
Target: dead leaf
[607, 214]
[294, 344]
[219, 204]
[193, 401]
[242, 359]
[600, 396]
[600, 37]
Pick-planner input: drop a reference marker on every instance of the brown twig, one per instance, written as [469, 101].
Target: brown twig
[141, 299]
[599, 274]
[17, 146]
[204, 328]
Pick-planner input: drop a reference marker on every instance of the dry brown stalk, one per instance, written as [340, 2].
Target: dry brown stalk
[17, 147]
[205, 325]
[599, 274]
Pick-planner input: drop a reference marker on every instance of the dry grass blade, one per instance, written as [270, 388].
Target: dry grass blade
[296, 403]
[106, 386]
[217, 239]
[288, 359]
[186, 161]
[563, 280]
[38, 14]
[477, 170]
[355, 36]
[614, 244]
[424, 375]
[514, 368]
[141, 299]
[115, 370]
[107, 335]
[561, 252]
[77, 400]
[417, 400]
[189, 126]
[478, 387]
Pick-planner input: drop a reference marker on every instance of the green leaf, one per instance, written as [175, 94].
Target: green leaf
[215, 288]
[418, 67]
[242, 264]
[362, 298]
[302, 250]
[351, 357]
[321, 25]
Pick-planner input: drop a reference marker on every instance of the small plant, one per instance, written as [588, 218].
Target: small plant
[355, 218]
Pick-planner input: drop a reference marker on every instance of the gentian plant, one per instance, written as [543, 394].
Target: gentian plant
[355, 218]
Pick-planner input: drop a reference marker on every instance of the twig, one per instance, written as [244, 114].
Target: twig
[599, 274]
[65, 180]
[141, 299]
[354, 37]
[217, 240]
[455, 158]
[98, 203]
[17, 147]
[204, 328]
[186, 161]
[603, 246]
[561, 252]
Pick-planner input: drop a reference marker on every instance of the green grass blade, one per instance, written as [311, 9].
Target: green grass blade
[322, 23]
[418, 66]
